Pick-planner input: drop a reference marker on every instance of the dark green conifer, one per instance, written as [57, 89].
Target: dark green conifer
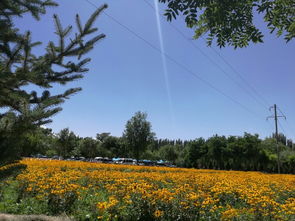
[62, 62]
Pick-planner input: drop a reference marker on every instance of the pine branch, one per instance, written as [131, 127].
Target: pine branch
[93, 17]
[59, 32]
[67, 31]
[94, 40]
[78, 22]
[27, 109]
[92, 30]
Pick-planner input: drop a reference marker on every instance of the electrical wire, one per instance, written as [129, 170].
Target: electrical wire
[213, 62]
[171, 59]
[287, 122]
[208, 57]
[241, 77]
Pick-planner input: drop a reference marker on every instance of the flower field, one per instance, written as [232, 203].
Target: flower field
[93, 191]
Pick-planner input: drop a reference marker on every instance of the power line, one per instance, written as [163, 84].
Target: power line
[217, 65]
[291, 128]
[287, 122]
[240, 75]
[281, 126]
[209, 58]
[176, 62]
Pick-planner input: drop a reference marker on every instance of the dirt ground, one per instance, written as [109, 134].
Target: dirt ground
[8, 217]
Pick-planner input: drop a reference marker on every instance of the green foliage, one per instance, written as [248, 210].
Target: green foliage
[23, 111]
[195, 151]
[169, 153]
[58, 204]
[111, 146]
[10, 196]
[151, 154]
[232, 21]
[281, 138]
[102, 136]
[138, 133]
[89, 147]
[38, 141]
[66, 142]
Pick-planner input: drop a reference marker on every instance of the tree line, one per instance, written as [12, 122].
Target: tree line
[246, 153]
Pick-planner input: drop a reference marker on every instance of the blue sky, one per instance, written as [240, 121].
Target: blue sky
[126, 75]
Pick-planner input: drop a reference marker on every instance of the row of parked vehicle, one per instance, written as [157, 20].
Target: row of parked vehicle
[127, 161]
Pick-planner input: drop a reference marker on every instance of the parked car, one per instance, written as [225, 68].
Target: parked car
[82, 158]
[41, 156]
[128, 161]
[98, 159]
[117, 160]
[106, 160]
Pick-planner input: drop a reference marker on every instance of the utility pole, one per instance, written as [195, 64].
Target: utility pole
[276, 134]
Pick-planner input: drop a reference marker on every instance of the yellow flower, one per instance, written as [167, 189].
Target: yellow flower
[158, 213]
[102, 206]
[229, 214]
[185, 189]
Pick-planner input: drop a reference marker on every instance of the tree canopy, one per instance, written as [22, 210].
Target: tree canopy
[231, 22]
[138, 133]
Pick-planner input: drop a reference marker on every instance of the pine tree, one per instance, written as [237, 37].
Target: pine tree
[22, 110]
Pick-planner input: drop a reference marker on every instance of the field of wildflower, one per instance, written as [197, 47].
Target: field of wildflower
[95, 191]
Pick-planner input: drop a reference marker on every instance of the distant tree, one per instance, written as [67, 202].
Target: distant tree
[195, 153]
[114, 145]
[138, 133]
[235, 157]
[154, 145]
[169, 153]
[281, 138]
[151, 155]
[216, 151]
[251, 151]
[290, 143]
[102, 136]
[23, 110]
[232, 21]
[290, 163]
[40, 141]
[89, 147]
[67, 141]
[182, 158]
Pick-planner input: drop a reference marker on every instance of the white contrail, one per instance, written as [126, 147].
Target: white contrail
[164, 63]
